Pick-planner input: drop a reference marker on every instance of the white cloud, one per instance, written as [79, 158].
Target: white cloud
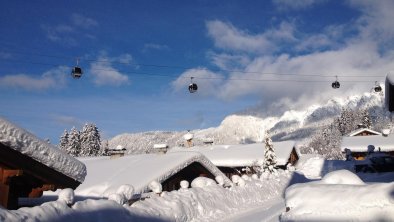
[64, 33]
[207, 81]
[82, 21]
[295, 4]
[52, 79]
[361, 47]
[228, 37]
[67, 120]
[104, 73]
[125, 58]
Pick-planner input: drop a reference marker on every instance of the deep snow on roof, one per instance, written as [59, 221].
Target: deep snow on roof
[105, 175]
[242, 154]
[361, 143]
[26, 143]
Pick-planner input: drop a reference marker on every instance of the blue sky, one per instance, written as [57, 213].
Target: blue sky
[138, 57]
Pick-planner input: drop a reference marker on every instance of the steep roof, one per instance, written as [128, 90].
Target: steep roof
[242, 154]
[358, 131]
[29, 145]
[106, 175]
[361, 143]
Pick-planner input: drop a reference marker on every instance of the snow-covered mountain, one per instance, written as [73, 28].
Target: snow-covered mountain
[246, 128]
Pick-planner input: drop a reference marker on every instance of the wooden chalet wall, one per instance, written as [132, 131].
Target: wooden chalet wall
[293, 157]
[22, 176]
[189, 173]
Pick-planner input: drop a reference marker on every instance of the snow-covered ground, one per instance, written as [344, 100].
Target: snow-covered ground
[253, 199]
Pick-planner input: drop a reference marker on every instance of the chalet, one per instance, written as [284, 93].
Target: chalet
[234, 159]
[29, 166]
[119, 151]
[208, 141]
[189, 138]
[161, 148]
[360, 146]
[140, 170]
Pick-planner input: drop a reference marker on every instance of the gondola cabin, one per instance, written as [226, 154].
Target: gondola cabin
[335, 85]
[76, 72]
[193, 88]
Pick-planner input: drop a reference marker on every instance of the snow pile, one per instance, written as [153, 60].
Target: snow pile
[212, 203]
[67, 196]
[202, 182]
[315, 166]
[41, 151]
[342, 177]
[155, 187]
[207, 203]
[348, 199]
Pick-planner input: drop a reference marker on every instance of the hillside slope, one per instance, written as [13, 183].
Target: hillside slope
[243, 128]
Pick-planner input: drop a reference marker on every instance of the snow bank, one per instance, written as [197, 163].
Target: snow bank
[209, 203]
[348, 199]
[41, 151]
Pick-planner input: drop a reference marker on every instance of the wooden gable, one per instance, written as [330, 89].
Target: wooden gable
[22, 176]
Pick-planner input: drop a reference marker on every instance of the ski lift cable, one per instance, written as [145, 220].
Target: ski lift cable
[147, 74]
[198, 68]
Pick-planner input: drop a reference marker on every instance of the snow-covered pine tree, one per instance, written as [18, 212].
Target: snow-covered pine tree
[269, 156]
[90, 140]
[366, 119]
[104, 148]
[74, 143]
[63, 143]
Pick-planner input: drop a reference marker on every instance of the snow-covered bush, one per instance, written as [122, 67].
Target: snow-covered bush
[184, 184]
[203, 182]
[219, 180]
[118, 198]
[237, 180]
[155, 187]
[126, 190]
[67, 196]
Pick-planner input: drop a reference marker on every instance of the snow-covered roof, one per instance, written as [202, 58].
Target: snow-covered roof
[107, 175]
[390, 78]
[188, 136]
[361, 143]
[358, 131]
[242, 154]
[160, 146]
[26, 143]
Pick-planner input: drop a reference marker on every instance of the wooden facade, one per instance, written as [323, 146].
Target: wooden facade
[188, 173]
[22, 176]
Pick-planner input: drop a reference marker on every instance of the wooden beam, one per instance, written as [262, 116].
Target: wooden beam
[4, 192]
[7, 173]
[37, 192]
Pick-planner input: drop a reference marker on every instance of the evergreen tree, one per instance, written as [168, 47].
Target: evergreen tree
[74, 143]
[90, 140]
[269, 156]
[366, 119]
[63, 143]
[104, 148]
